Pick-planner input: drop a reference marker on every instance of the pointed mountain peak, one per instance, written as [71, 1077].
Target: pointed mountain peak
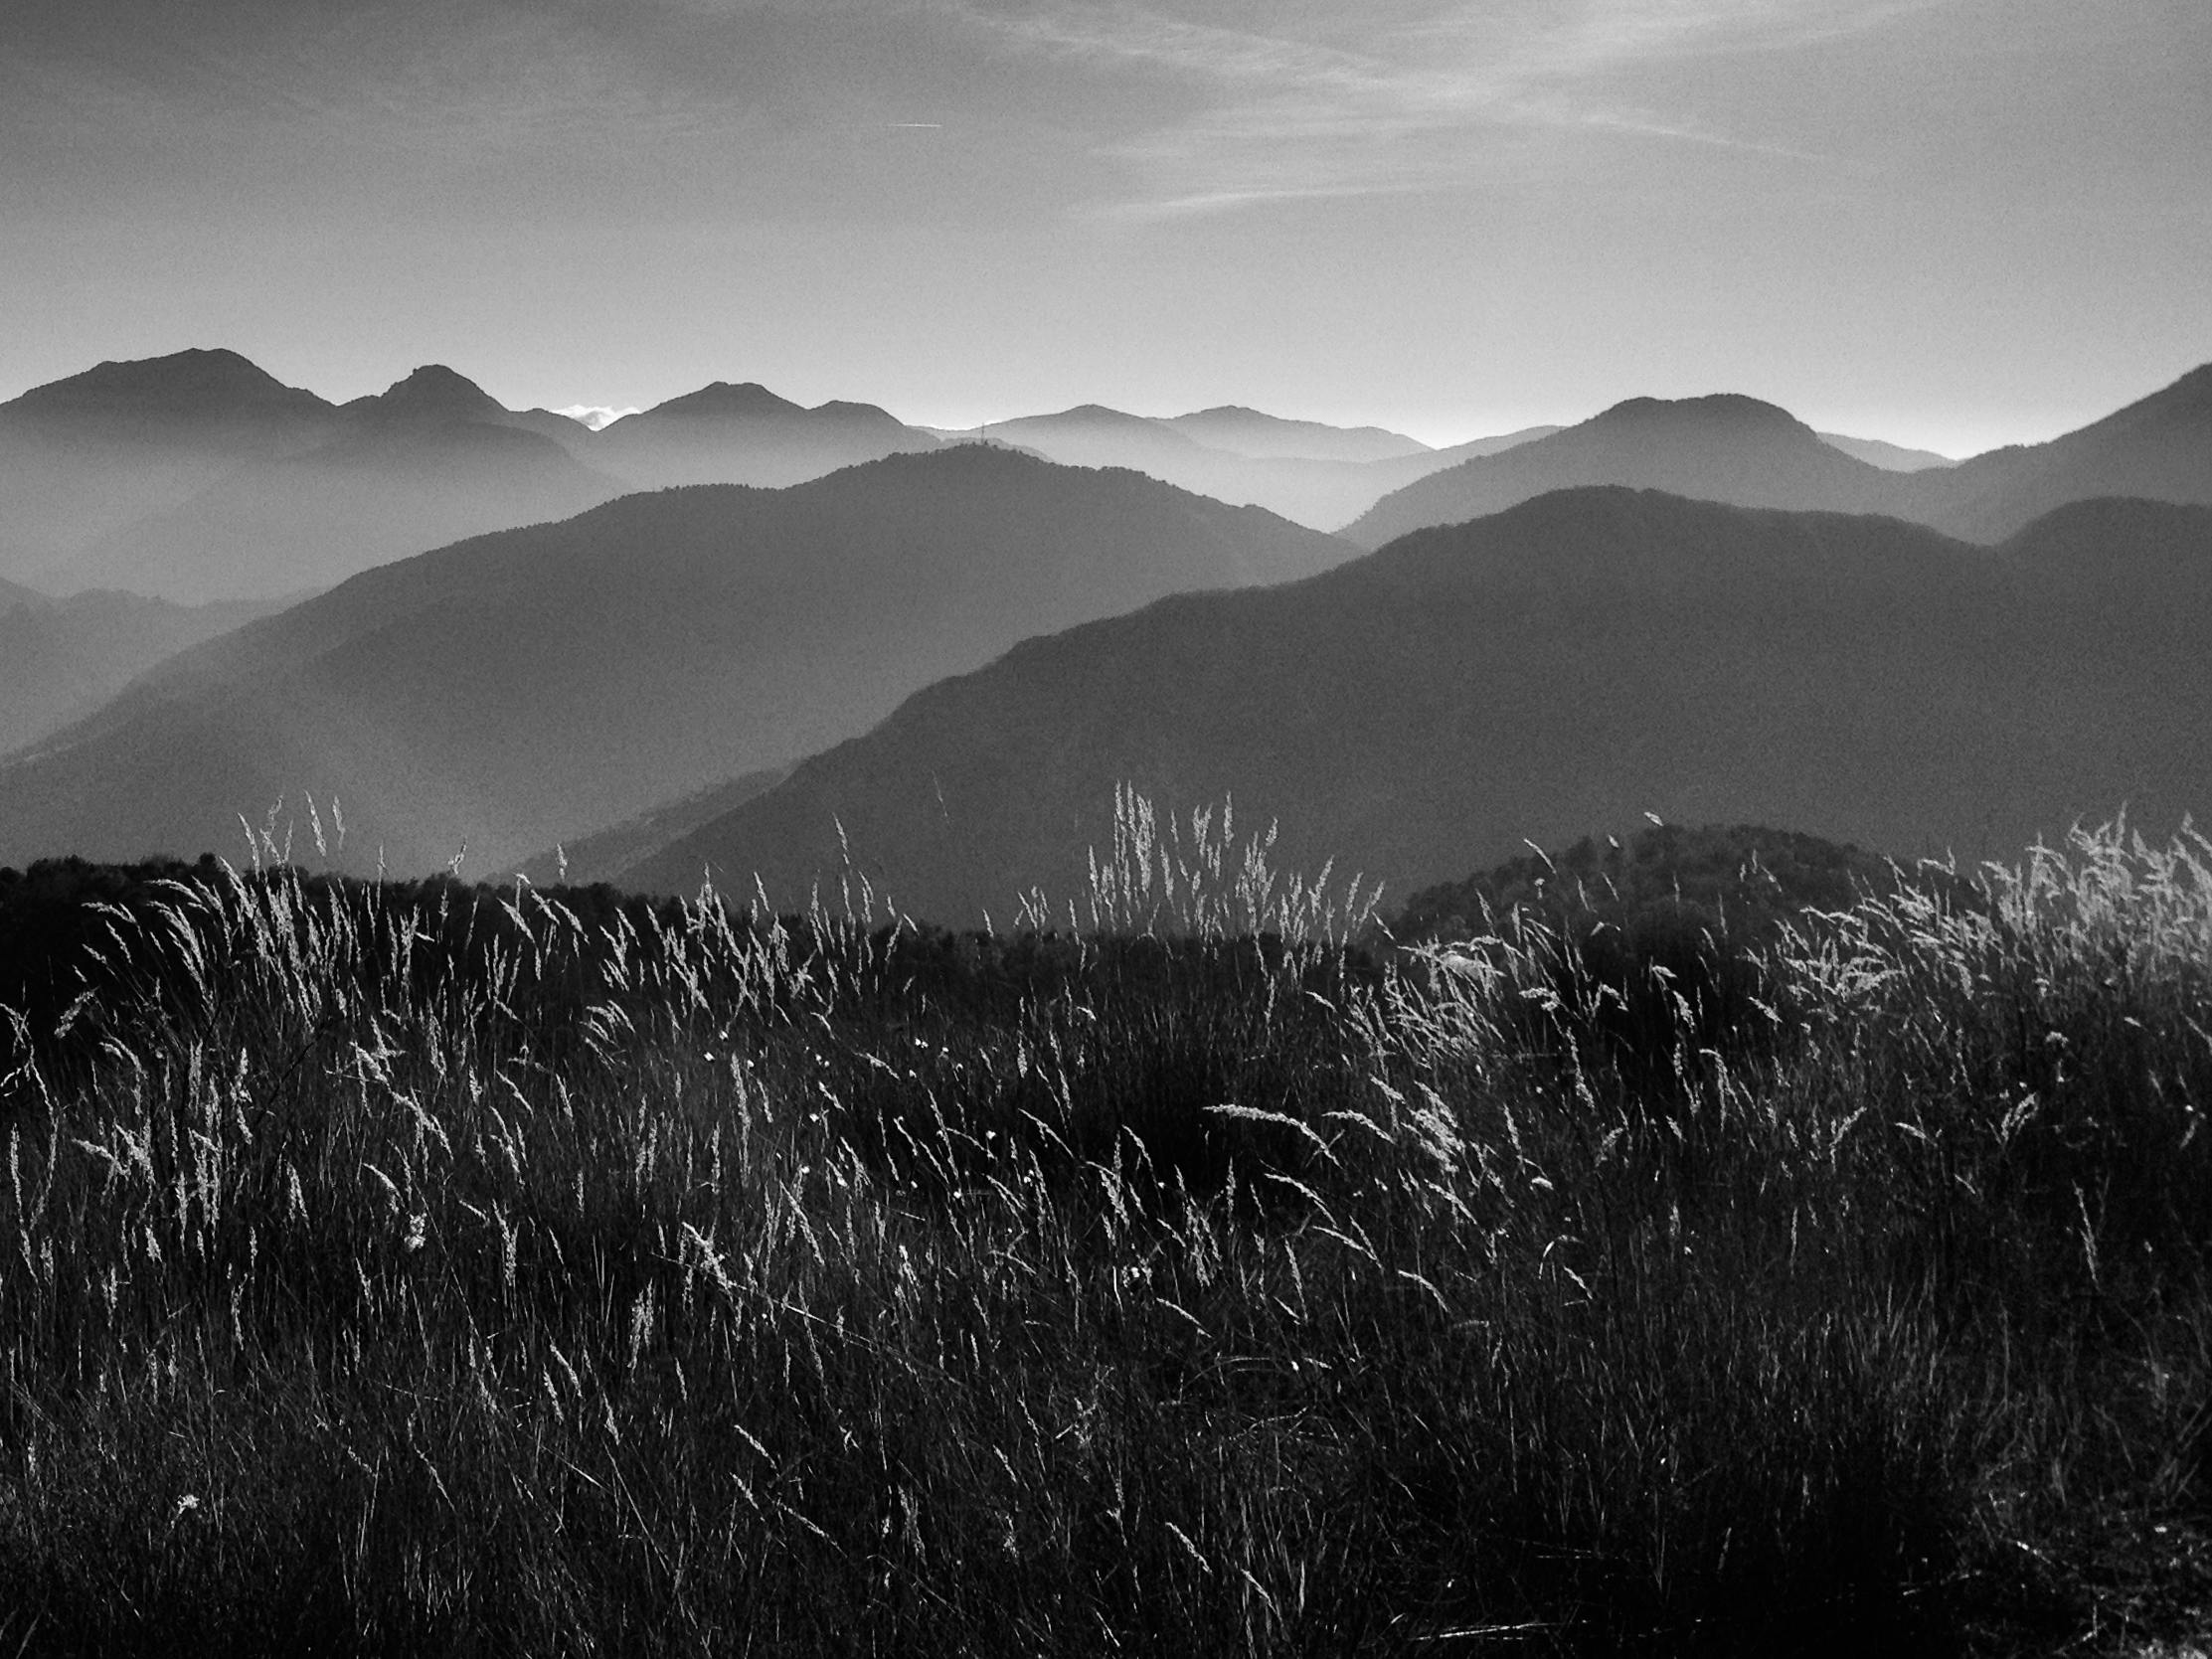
[204, 385]
[722, 401]
[433, 391]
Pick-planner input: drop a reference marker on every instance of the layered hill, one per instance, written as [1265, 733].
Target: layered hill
[1890, 457]
[1572, 663]
[517, 690]
[431, 461]
[197, 476]
[87, 456]
[1720, 448]
[1740, 450]
[2158, 448]
[747, 434]
[1310, 473]
[1260, 436]
[62, 659]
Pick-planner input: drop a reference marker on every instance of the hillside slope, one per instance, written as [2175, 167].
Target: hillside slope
[521, 689]
[2158, 448]
[1566, 666]
[62, 659]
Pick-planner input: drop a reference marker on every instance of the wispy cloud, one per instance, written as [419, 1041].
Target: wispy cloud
[1408, 98]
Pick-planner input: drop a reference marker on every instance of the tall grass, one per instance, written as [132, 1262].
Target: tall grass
[382, 1275]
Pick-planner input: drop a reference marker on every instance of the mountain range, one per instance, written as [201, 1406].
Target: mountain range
[1728, 448]
[1327, 476]
[518, 689]
[661, 676]
[746, 434]
[1572, 663]
[1312, 474]
[1750, 453]
[430, 461]
[198, 476]
[85, 458]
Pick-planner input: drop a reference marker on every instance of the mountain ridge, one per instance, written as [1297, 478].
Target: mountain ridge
[1742, 451]
[1583, 658]
[196, 387]
[1723, 446]
[2158, 447]
[531, 686]
[198, 475]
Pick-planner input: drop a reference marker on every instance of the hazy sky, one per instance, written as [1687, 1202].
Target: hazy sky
[1944, 222]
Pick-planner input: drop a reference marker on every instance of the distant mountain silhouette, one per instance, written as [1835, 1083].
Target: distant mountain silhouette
[2158, 448]
[197, 475]
[1727, 447]
[431, 461]
[1317, 492]
[1575, 661]
[522, 688]
[61, 659]
[87, 457]
[1092, 434]
[1257, 436]
[1736, 450]
[1472, 449]
[747, 434]
[431, 394]
[1890, 457]
[435, 397]
[187, 393]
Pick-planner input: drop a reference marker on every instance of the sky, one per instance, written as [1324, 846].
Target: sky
[1945, 223]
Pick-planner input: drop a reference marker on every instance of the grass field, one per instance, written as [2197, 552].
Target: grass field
[441, 1271]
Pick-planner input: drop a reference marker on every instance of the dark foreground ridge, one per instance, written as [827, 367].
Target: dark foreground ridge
[428, 1268]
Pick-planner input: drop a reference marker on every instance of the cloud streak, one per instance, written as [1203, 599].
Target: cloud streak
[1172, 110]
[1420, 94]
